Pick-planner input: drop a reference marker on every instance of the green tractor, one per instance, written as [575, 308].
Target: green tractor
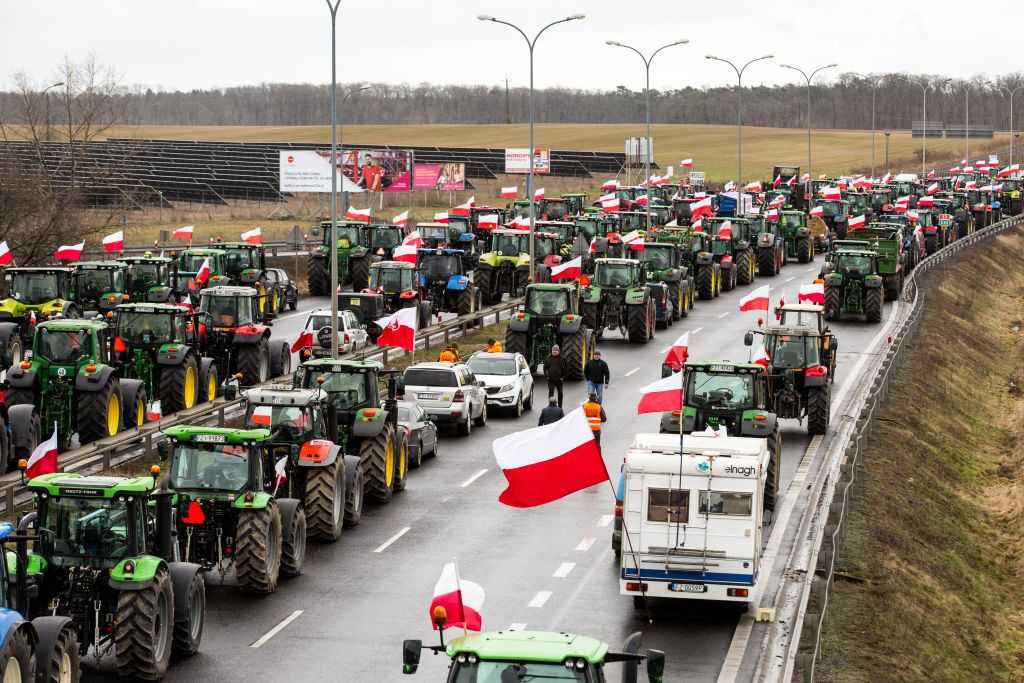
[617, 297]
[732, 250]
[188, 264]
[695, 252]
[505, 268]
[771, 246]
[398, 282]
[799, 242]
[362, 426]
[149, 279]
[71, 383]
[105, 562]
[550, 316]
[353, 258]
[33, 295]
[665, 267]
[158, 344]
[887, 240]
[99, 286]
[246, 264]
[853, 285]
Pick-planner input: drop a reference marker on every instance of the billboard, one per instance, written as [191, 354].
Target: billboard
[445, 177]
[307, 170]
[378, 170]
[517, 160]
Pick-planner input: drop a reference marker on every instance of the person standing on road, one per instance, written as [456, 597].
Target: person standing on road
[554, 370]
[595, 416]
[597, 375]
[552, 413]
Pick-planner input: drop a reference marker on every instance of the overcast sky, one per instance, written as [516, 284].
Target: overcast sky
[184, 44]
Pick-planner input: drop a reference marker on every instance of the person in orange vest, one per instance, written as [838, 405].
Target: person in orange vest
[493, 346]
[447, 356]
[595, 416]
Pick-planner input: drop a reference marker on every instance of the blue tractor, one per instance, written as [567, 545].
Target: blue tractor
[445, 283]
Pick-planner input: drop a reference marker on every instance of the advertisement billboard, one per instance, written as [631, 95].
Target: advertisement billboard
[517, 160]
[378, 170]
[447, 177]
[307, 170]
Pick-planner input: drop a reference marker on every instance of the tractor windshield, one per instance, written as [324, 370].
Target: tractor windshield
[511, 245]
[144, 275]
[546, 302]
[792, 220]
[219, 466]
[63, 347]
[854, 264]
[555, 211]
[720, 390]
[391, 279]
[387, 238]
[544, 247]
[792, 351]
[191, 263]
[229, 311]
[440, 266]
[493, 672]
[241, 258]
[85, 527]
[90, 284]
[438, 234]
[348, 233]
[286, 422]
[831, 208]
[345, 390]
[146, 328]
[657, 258]
[613, 275]
[35, 288]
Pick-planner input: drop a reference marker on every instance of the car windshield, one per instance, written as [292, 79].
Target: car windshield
[90, 284]
[792, 351]
[63, 347]
[145, 328]
[228, 311]
[219, 466]
[35, 288]
[855, 264]
[545, 302]
[487, 364]
[347, 390]
[391, 279]
[285, 422]
[423, 377]
[191, 263]
[440, 266]
[385, 237]
[511, 244]
[613, 274]
[144, 275]
[499, 672]
[86, 527]
[657, 258]
[720, 390]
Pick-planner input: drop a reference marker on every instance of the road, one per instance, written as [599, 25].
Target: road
[547, 568]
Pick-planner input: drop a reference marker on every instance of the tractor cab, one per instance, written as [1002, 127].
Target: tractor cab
[99, 286]
[229, 307]
[243, 262]
[189, 264]
[610, 273]
[435, 235]
[725, 394]
[350, 234]
[575, 202]
[382, 239]
[550, 301]
[43, 291]
[214, 462]
[152, 325]
[396, 281]
[811, 316]
[351, 386]
[148, 278]
[292, 416]
[631, 220]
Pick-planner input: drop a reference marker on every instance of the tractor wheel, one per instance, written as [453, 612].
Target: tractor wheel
[729, 278]
[293, 536]
[637, 323]
[423, 315]
[99, 412]
[359, 269]
[706, 282]
[179, 386]
[873, 305]
[135, 402]
[402, 465]
[317, 276]
[675, 306]
[254, 363]
[25, 435]
[144, 629]
[931, 244]
[62, 663]
[718, 280]
[258, 548]
[589, 312]
[804, 250]
[353, 490]
[10, 345]
[188, 633]
[891, 283]
[766, 262]
[745, 268]
[574, 350]
[280, 359]
[467, 299]
[325, 502]
[16, 658]
[483, 278]
[517, 342]
[832, 295]
[379, 452]
[208, 381]
[818, 408]
[771, 482]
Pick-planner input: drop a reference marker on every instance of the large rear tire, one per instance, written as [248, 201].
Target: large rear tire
[467, 301]
[326, 502]
[254, 363]
[575, 351]
[637, 323]
[188, 632]
[804, 250]
[379, 454]
[99, 412]
[818, 408]
[483, 278]
[359, 269]
[144, 629]
[832, 303]
[62, 663]
[135, 403]
[280, 359]
[354, 484]
[317, 277]
[728, 278]
[745, 268]
[208, 381]
[873, 305]
[293, 536]
[766, 262]
[517, 342]
[676, 306]
[258, 548]
[771, 482]
[179, 386]
[16, 658]
[705, 282]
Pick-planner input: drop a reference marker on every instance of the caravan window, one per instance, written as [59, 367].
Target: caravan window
[726, 503]
[668, 505]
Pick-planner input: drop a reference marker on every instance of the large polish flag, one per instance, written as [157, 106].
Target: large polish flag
[183, 233]
[401, 219]
[254, 236]
[70, 252]
[114, 241]
[570, 270]
[856, 223]
[609, 203]
[413, 239]
[204, 272]
[701, 208]
[817, 211]
[679, 351]
[811, 293]
[662, 396]
[925, 202]
[550, 462]
[44, 458]
[510, 192]
[354, 214]
[6, 255]
[441, 217]
[610, 184]
[461, 600]
[538, 194]
[464, 208]
[756, 300]
[398, 329]
[487, 221]
[405, 253]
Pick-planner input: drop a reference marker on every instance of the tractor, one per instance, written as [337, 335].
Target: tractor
[799, 242]
[445, 284]
[771, 246]
[362, 426]
[72, 386]
[99, 286]
[695, 251]
[732, 250]
[382, 239]
[190, 262]
[246, 265]
[33, 295]
[232, 332]
[149, 279]
[158, 344]
[665, 268]
[550, 316]
[451, 236]
[105, 564]
[396, 282]
[835, 214]
[617, 297]
[888, 241]
[353, 258]
[505, 268]
[853, 285]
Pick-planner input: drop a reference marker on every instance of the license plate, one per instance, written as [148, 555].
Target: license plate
[353, 302]
[427, 397]
[688, 587]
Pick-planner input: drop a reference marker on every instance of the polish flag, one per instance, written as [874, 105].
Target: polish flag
[925, 202]
[610, 203]
[441, 217]
[686, 163]
[811, 293]
[762, 358]
[593, 246]
[752, 187]
[464, 208]
[114, 241]
[678, 352]
[697, 226]
[971, 185]
[887, 178]
[805, 177]
[610, 184]
[510, 192]
[6, 255]
[756, 300]
[830, 193]
[729, 186]
[772, 215]
[254, 236]
[487, 221]
[856, 223]
[725, 230]
[184, 233]
[405, 253]
[570, 270]
[44, 458]
[642, 200]
[963, 162]
[354, 214]
[520, 223]
[413, 239]
[902, 204]
[398, 329]
[778, 202]
[955, 169]
[546, 463]
[817, 211]
[261, 415]
[401, 219]
[538, 194]
[932, 189]
[792, 181]
[72, 252]
[303, 341]
[701, 208]
[154, 411]
[662, 396]
[204, 272]
[777, 182]
[461, 601]
[634, 239]
[281, 472]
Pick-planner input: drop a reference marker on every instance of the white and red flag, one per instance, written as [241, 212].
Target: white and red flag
[817, 211]
[805, 177]
[461, 600]
[6, 255]
[697, 225]
[887, 178]
[203, 273]
[830, 192]
[441, 217]
[932, 189]
[254, 236]
[183, 233]
[609, 203]
[569, 270]
[777, 202]
[762, 358]
[753, 187]
[792, 181]
[261, 415]
[902, 204]
[777, 181]
[303, 341]
[634, 239]
[772, 215]
[662, 396]
[354, 214]
[70, 252]
[510, 192]
[856, 223]
[413, 239]
[154, 411]
[642, 200]
[520, 223]
[701, 208]
[546, 463]
[725, 231]
[406, 253]
[487, 221]
[925, 202]
[756, 300]
[401, 219]
[686, 163]
[538, 194]
[610, 184]
[44, 458]
[679, 351]
[811, 293]
[114, 241]
[398, 329]
[931, 174]
[464, 208]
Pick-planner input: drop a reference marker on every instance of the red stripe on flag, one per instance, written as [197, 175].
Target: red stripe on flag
[548, 480]
[661, 401]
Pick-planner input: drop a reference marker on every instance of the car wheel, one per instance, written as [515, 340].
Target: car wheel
[529, 401]
[519, 405]
[482, 420]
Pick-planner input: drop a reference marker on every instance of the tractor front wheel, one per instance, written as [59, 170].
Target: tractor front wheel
[99, 412]
[467, 301]
[483, 278]
[771, 482]
[258, 548]
[293, 536]
[188, 632]
[706, 282]
[354, 483]
[380, 453]
[818, 400]
[144, 629]
[16, 658]
[637, 323]
[326, 502]
[804, 250]
[254, 363]
[360, 270]
[745, 268]
[179, 386]
[62, 662]
[873, 305]
[280, 359]
[676, 306]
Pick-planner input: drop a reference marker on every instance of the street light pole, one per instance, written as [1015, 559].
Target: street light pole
[530, 44]
[333, 289]
[808, 78]
[875, 82]
[925, 86]
[46, 96]
[647, 97]
[1011, 93]
[739, 116]
[967, 121]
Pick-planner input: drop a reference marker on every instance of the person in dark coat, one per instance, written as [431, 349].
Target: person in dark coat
[551, 413]
[554, 370]
[597, 375]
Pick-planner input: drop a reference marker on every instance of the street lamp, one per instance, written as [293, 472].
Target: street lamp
[739, 115]
[530, 44]
[46, 98]
[1011, 93]
[925, 85]
[647, 105]
[808, 78]
[967, 121]
[333, 288]
[350, 93]
[875, 82]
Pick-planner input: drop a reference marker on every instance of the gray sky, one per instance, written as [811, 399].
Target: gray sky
[184, 44]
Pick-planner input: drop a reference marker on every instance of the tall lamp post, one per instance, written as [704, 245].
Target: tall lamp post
[333, 288]
[46, 96]
[1011, 93]
[647, 105]
[808, 79]
[967, 121]
[739, 115]
[530, 44]
[875, 82]
[925, 86]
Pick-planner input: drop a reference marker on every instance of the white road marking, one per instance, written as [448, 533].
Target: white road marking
[697, 330]
[605, 520]
[722, 315]
[791, 279]
[585, 544]
[812, 269]
[277, 629]
[539, 599]
[564, 570]
[666, 349]
[517, 627]
[384, 546]
[631, 372]
[473, 478]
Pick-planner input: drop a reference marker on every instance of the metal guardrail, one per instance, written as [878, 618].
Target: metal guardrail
[830, 526]
[272, 247]
[141, 441]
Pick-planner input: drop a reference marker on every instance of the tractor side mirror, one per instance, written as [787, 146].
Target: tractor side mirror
[163, 449]
[411, 650]
[655, 666]
[748, 339]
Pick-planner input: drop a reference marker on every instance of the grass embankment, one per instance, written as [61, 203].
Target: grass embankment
[933, 551]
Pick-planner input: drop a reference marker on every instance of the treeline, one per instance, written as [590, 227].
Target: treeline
[842, 103]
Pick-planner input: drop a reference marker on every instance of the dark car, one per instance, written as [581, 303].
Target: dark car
[421, 433]
[285, 285]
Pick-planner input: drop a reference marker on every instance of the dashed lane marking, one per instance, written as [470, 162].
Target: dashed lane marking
[697, 330]
[517, 627]
[605, 520]
[386, 544]
[564, 570]
[722, 315]
[791, 279]
[539, 599]
[277, 629]
[473, 478]
[631, 372]
[584, 545]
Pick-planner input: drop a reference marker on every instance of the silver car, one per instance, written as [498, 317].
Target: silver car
[352, 336]
[449, 393]
[508, 380]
